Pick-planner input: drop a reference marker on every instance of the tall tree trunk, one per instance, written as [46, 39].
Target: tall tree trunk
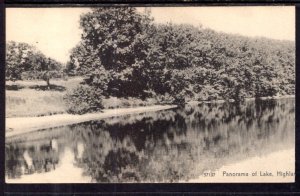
[48, 83]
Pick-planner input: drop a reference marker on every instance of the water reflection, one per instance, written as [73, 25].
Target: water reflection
[166, 146]
[36, 157]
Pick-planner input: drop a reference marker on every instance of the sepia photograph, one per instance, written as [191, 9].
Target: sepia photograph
[124, 94]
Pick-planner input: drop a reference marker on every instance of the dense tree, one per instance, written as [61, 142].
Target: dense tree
[18, 57]
[43, 68]
[70, 69]
[109, 43]
[125, 54]
[24, 61]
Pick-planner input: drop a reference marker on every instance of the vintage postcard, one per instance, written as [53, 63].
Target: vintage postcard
[126, 94]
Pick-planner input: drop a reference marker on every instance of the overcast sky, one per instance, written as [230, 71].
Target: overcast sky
[55, 31]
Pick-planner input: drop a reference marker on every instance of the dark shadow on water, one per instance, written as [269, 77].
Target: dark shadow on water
[45, 88]
[13, 87]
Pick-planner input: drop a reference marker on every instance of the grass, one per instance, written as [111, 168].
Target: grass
[28, 98]
[31, 98]
[70, 83]
[29, 102]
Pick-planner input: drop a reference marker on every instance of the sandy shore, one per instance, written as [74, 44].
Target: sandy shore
[274, 163]
[15, 126]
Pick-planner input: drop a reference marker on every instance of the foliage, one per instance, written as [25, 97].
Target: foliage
[110, 45]
[70, 69]
[84, 99]
[125, 54]
[17, 59]
[23, 61]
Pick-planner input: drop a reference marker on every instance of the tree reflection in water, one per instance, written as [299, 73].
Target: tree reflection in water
[39, 156]
[166, 146]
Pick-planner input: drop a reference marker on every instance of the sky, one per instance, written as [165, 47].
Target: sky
[55, 31]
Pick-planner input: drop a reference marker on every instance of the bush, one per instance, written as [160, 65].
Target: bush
[84, 99]
[208, 93]
[165, 99]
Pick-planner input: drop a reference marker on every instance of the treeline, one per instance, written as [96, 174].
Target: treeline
[25, 62]
[123, 53]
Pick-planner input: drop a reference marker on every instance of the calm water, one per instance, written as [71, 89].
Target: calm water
[165, 146]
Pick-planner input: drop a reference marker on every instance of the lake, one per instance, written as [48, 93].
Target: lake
[176, 145]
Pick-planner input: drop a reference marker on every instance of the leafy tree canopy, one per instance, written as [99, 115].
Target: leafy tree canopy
[124, 53]
[24, 61]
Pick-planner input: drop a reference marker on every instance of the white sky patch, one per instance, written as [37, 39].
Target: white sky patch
[55, 31]
[268, 21]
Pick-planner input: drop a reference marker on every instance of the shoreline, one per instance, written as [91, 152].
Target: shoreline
[246, 99]
[19, 125]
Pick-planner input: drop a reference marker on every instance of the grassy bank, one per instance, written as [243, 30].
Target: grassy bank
[29, 102]
[29, 106]
[30, 99]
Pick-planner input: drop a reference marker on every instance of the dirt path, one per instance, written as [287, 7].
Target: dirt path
[15, 126]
